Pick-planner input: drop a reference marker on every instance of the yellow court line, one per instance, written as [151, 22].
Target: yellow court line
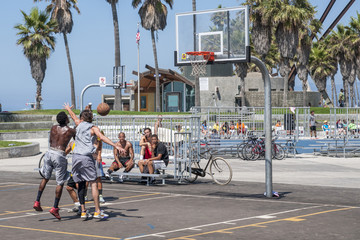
[227, 230]
[66, 205]
[59, 232]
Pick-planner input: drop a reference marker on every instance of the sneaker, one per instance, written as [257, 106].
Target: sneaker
[76, 207]
[85, 215]
[121, 179]
[101, 199]
[100, 215]
[37, 206]
[86, 198]
[107, 175]
[55, 212]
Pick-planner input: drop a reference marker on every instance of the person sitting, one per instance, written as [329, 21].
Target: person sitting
[216, 127]
[224, 129]
[122, 159]
[204, 127]
[352, 128]
[232, 128]
[159, 158]
[240, 127]
[326, 128]
[340, 127]
[145, 144]
[214, 134]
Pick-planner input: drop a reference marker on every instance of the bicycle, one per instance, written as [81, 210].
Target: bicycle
[219, 169]
[254, 151]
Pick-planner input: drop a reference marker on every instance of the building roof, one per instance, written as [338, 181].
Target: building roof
[148, 81]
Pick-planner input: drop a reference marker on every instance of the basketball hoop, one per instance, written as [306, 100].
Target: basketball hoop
[198, 62]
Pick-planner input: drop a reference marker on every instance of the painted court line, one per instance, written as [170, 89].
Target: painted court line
[261, 224]
[223, 222]
[58, 232]
[116, 203]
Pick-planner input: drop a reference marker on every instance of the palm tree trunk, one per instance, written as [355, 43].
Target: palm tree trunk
[38, 95]
[352, 94]
[286, 88]
[333, 91]
[197, 82]
[346, 92]
[304, 89]
[117, 100]
[157, 92]
[357, 93]
[72, 86]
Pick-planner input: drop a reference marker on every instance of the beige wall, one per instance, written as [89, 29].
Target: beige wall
[150, 98]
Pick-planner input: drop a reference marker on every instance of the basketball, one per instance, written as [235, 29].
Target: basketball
[103, 109]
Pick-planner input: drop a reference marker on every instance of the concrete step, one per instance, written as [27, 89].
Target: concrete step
[13, 117]
[26, 125]
[24, 135]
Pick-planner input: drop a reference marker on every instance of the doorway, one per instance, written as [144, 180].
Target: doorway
[173, 103]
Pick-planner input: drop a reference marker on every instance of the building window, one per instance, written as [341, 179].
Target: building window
[253, 89]
[143, 102]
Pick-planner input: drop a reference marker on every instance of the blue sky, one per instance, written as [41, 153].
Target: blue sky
[92, 49]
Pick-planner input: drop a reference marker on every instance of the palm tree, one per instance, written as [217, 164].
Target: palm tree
[38, 41]
[320, 67]
[355, 28]
[118, 97]
[289, 17]
[261, 30]
[61, 12]
[153, 15]
[306, 34]
[342, 45]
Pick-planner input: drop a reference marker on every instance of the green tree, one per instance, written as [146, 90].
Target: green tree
[153, 15]
[61, 12]
[118, 97]
[342, 43]
[355, 28]
[320, 67]
[38, 41]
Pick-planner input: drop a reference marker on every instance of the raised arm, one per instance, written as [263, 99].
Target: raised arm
[105, 139]
[72, 114]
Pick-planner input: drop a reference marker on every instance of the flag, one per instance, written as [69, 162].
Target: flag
[138, 36]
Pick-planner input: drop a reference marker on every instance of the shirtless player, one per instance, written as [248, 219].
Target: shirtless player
[55, 158]
[122, 159]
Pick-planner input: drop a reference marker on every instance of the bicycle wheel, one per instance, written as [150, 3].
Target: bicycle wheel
[278, 152]
[192, 177]
[41, 164]
[247, 151]
[240, 149]
[220, 171]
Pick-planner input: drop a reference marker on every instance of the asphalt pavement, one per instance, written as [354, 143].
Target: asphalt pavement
[319, 199]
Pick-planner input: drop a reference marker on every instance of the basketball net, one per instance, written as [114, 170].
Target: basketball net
[198, 64]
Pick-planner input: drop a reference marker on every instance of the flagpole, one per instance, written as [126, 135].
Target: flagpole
[138, 70]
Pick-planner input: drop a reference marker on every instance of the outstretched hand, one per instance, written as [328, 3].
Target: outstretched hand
[67, 106]
[120, 149]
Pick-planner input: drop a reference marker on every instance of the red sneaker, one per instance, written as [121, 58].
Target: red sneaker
[37, 206]
[55, 212]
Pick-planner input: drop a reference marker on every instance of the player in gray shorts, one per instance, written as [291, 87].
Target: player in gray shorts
[55, 159]
[60, 136]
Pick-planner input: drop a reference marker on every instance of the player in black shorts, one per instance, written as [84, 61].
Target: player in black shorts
[125, 160]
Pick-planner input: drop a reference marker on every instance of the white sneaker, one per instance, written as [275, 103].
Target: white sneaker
[101, 199]
[76, 207]
[107, 175]
[100, 215]
[86, 198]
[121, 179]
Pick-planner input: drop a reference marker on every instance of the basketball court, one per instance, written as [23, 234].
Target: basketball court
[183, 211]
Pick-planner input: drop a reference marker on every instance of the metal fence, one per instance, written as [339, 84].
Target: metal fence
[294, 121]
[343, 123]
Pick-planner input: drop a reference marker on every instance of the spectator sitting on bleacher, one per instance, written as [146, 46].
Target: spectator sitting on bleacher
[240, 127]
[214, 134]
[326, 128]
[216, 127]
[125, 160]
[159, 159]
[145, 144]
[340, 127]
[232, 127]
[204, 127]
[352, 127]
[224, 129]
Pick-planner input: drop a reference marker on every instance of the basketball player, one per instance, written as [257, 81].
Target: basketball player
[55, 158]
[125, 159]
[83, 168]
